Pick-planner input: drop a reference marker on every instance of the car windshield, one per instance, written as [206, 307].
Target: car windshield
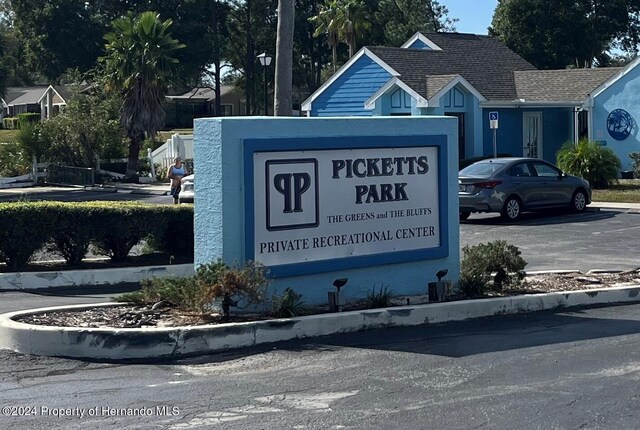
[482, 169]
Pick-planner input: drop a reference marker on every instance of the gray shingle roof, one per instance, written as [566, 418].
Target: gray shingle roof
[570, 85]
[435, 83]
[483, 61]
[24, 95]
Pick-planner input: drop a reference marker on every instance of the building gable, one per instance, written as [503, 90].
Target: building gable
[346, 95]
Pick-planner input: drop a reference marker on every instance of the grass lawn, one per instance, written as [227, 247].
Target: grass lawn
[7, 136]
[625, 191]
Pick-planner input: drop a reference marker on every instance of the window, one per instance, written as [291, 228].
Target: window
[546, 170]
[521, 170]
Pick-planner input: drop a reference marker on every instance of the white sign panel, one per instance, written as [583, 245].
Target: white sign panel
[327, 204]
[493, 120]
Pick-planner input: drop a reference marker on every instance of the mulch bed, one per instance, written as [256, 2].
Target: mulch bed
[159, 315]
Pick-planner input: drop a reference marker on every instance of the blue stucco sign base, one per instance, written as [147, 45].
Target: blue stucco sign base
[314, 199]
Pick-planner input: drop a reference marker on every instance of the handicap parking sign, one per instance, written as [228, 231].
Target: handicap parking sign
[493, 116]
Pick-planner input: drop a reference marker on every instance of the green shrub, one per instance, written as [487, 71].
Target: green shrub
[288, 304]
[10, 123]
[235, 285]
[490, 266]
[28, 118]
[112, 227]
[635, 156]
[380, 298]
[73, 232]
[183, 293]
[597, 164]
[214, 284]
[13, 161]
[176, 238]
[120, 226]
[25, 228]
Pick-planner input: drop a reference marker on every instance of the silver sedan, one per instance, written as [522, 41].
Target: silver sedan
[512, 185]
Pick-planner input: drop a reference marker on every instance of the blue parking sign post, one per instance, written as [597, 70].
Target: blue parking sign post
[493, 124]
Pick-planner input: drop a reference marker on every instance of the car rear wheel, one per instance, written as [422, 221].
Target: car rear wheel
[579, 201]
[511, 209]
[464, 215]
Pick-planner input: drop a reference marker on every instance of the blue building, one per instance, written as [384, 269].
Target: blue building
[468, 76]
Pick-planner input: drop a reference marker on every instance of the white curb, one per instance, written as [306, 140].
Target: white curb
[161, 343]
[74, 278]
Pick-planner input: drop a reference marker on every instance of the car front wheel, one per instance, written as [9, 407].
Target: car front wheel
[511, 209]
[579, 201]
[464, 215]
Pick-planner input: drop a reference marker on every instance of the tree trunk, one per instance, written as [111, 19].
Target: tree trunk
[284, 59]
[131, 174]
[250, 60]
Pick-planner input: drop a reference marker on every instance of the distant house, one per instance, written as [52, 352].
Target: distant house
[46, 100]
[468, 76]
[199, 103]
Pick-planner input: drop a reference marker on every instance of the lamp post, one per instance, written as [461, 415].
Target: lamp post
[265, 61]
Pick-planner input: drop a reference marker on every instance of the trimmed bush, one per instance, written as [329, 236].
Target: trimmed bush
[28, 118]
[26, 227]
[176, 238]
[10, 123]
[112, 227]
[120, 226]
[597, 164]
[73, 232]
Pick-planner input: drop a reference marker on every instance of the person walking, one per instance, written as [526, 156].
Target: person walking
[176, 172]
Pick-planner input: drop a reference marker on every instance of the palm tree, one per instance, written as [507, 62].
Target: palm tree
[138, 63]
[341, 20]
[284, 59]
[354, 23]
[328, 23]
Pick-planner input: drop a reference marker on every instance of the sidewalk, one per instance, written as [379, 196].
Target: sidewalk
[630, 207]
[159, 189]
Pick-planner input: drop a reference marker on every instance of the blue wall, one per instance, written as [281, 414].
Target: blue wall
[346, 96]
[220, 210]
[557, 128]
[623, 94]
[419, 44]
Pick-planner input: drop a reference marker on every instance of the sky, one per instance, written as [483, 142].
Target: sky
[474, 16]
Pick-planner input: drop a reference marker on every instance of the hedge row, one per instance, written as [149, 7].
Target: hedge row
[113, 228]
[14, 122]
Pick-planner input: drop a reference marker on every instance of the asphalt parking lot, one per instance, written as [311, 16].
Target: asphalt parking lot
[605, 239]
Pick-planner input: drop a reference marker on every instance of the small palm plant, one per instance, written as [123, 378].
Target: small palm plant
[597, 164]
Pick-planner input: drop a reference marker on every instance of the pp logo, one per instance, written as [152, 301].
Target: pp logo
[292, 194]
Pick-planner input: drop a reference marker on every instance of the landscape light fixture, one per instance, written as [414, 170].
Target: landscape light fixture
[265, 61]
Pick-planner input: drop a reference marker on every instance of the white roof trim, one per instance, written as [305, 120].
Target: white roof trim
[435, 100]
[422, 38]
[50, 87]
[394, 82]
[306, 105]
[612, 80]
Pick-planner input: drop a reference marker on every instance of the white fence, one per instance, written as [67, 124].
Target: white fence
[178, 146]
[28, 180]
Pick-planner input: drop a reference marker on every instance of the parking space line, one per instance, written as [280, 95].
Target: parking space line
[615, 231]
